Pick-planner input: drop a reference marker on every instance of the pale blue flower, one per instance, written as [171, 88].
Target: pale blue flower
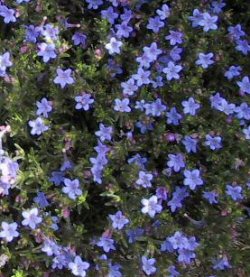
[208, 22]
[46, 51]
[72, 188]
[176, 162]
[151, 206]
[192, 178]
[44, 107]
[104, 133]
[235, 192]
[190, 106]
[114, 46]
[148, 265]
[172, 71]
[244, 85]
[83, 101]
[205, 60]
[118, 220]
[106, 243]
[9, 231]
[38, 126]
[63, 77]
[78, 267]
[122, 105]
[31, 218]
[144, 179]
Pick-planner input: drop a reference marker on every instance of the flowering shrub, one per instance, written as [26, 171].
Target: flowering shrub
[124, 138]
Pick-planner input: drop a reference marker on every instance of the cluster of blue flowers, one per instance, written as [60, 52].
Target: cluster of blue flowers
[147, 105]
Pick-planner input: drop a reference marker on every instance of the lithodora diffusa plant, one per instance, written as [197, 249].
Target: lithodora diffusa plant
[124, 138]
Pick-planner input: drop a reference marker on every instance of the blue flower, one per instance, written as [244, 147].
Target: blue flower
[243, 111]
[118, 220]
[9, 231]
[196, 18]
[208, 22]
[213, 142]
[66, 165]
[110, 15]
[129, 87]
[172, 71]
[114, 46]
[123, 30]
[216, 101]
[63, 77]
[4, 63]
[134, 234]
[144, 179]
[104, 133]
[155, 24]
[178, 241]
[47, 51]
[84, 101]
[138, 160]
[50, 247]
[178, 196]
[127, 15]
[185, 246]
[205, 60]
[192, 178]
[173, 117]
[57, 177]
[185, 256]
[106, 243]
[38, 126]
[243, 46]
[148, 265]
[221, 264]
[211, 196]
[151, 206]
[122, 105]
[79, 39]
[94, 4]
[244, 85]
[226, 107]
[7, 14]
[44, 107]
[78, 267]
[190, 106]
[50, 32]
[246, 132]
[232, 72]
[236, 32]
[162, 193]
[31, 218]
[152, 51]
[72, 188]
[41, 200]
[217, 6]
[32, 33]
[164, 12]
[155, 108]
[235, 192]
[114, 270]
[142, 77]
[190, 144]
[175, 37]
[175, 53]
[172, 271]
[176, 162]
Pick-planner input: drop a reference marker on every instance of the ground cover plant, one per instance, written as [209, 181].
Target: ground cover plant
[124, 138]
